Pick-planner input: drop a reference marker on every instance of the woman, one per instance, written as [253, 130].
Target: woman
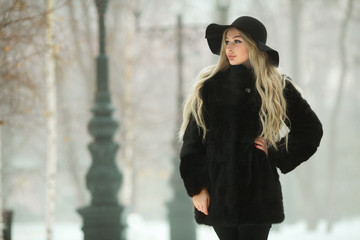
[241, 121]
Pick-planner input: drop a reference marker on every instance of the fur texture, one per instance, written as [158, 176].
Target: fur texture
[242, 181]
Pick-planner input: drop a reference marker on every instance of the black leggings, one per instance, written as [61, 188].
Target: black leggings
[243, 232]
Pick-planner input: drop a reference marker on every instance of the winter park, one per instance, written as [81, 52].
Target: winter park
[95, 142]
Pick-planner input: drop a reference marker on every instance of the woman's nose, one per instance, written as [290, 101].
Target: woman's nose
[229, 45]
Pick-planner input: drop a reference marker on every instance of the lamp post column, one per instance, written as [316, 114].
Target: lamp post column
[103, 218]
[181, 215]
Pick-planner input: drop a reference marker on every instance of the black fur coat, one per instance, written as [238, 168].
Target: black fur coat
[242, 181]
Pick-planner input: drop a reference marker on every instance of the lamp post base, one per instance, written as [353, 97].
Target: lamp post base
[102, 222]
[181, 219]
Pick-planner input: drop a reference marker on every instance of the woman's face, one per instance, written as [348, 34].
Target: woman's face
[236, 50]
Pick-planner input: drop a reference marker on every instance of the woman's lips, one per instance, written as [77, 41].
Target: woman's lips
[231, 57]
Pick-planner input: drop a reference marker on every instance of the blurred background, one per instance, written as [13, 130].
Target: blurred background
[318, 42]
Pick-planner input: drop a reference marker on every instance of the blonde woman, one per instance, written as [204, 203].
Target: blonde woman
[241, 121]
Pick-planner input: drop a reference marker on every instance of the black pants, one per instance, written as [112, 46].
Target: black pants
[243, 232]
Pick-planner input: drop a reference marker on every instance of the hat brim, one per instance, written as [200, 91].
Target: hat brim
[274, 55]
[214, 34]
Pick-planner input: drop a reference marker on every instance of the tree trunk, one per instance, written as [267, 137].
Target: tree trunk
[1, 175]
[51, 116]
[335, 113]
[128, 116]
[88, 76]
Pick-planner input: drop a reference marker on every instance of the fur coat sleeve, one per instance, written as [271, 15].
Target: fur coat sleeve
[304, 136]
[193, 169]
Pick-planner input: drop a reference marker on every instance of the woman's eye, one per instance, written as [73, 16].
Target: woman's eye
[227, 42]
[237, 41]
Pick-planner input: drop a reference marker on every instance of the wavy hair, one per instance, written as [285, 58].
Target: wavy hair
[269, 84]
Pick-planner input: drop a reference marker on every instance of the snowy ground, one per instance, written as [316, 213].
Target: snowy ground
[140, 230]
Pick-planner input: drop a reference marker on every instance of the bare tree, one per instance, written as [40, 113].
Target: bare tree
[303, 179]
[51, 115]
[20, 93]
[127, 108]
[333, 154]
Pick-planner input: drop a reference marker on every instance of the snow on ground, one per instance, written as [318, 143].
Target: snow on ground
[141, 230]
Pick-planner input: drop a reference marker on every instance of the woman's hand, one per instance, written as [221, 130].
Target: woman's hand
[202, 201]
[261, 144]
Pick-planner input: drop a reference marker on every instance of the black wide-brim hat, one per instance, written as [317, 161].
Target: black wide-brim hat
[246, 24]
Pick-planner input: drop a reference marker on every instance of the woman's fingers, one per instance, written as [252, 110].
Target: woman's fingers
[260, 147]
[261, 144]
[205, 210]
[201, 201]
[202, 208]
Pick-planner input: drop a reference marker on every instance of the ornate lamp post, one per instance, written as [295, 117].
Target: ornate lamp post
[181, 213]
[103, 218]
[180, 209]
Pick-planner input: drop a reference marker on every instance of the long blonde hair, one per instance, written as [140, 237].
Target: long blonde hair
[269, 84]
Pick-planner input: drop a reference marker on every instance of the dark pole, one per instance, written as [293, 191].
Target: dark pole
[181, 214]
[222, 7]
[296, 11]
[103, 218]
